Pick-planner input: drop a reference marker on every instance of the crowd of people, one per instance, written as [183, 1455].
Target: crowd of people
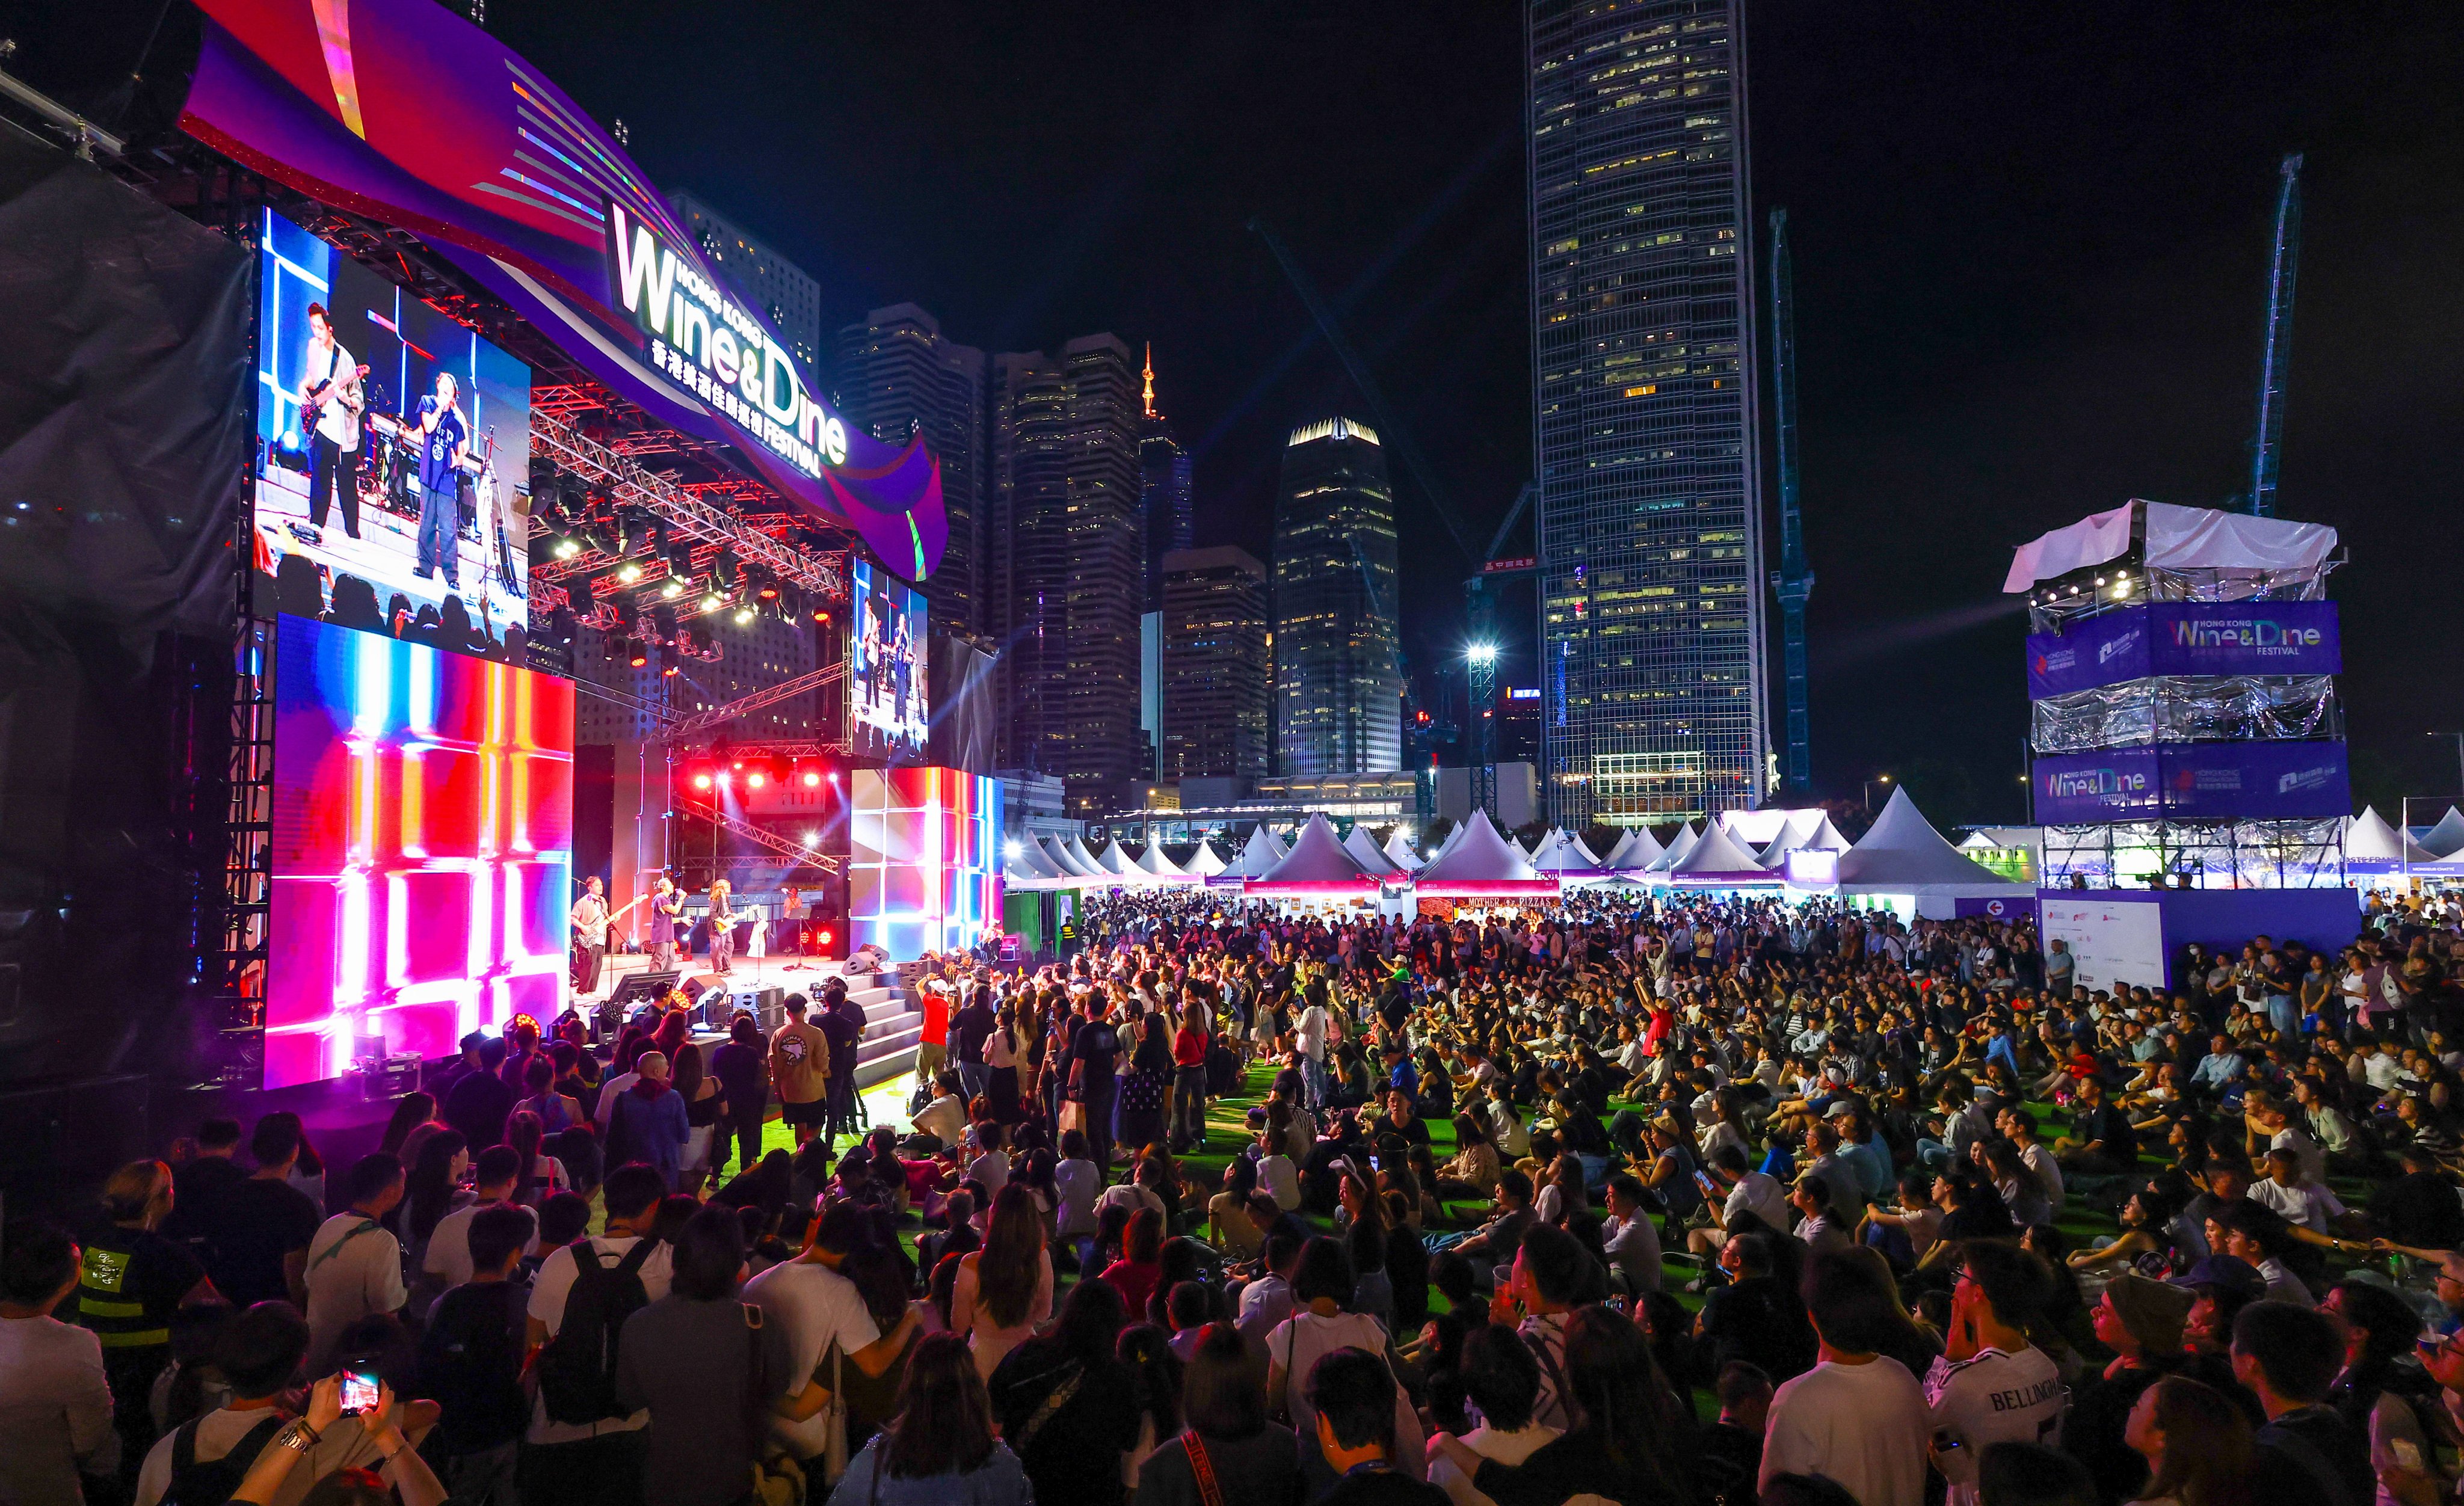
[1663, 1200]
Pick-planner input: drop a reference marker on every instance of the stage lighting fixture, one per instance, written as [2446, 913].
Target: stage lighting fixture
[744, 615]
[560, 626]
[826, 937]
[564, 546]
[724, 569]
[663, 622]
[636, 652]
[583, 592]
[671, 588]
[701, 780]
[628, 571]
[754, 778]
[812, 839]
[821, 616]
[764, 588]
[668, 664]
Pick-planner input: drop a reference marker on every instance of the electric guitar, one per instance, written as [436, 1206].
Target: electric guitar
[313, 405]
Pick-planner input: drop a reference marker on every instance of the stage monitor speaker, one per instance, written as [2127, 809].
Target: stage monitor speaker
[643, 988]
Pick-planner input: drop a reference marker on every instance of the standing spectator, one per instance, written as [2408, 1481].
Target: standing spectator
[703, 1105]
[1991, 1385]
[599, 1460]
[448, 1259]
[1189, 1048]
[1093, 1051]
[355, 1263]
[1229, 1438]
[130, 1281]
[969, 1028]
[55, 1410]
[706, 1367]
[471, 1356]
[823, 1319]
[799, 1070]
[1501, 1377]
[480, 1103]
[257, 1239]
[842, 1025]
[932, 1048]
[650, 1121]
[1857, 1417]
[203, 1184]
[739, 1067]
[1067, 1406]
[941, 1448]
[1004, 1290]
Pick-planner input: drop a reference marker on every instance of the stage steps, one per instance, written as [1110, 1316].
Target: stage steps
[894, 1028]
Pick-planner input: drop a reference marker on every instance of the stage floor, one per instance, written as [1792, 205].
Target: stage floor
[795, 975]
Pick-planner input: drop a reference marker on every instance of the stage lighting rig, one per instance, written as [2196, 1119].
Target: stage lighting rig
[636, 653]
[669, 661]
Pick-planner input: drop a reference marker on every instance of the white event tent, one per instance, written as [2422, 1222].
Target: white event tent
[1902, 856]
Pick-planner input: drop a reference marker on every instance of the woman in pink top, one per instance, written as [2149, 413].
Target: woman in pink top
[1004, 1290]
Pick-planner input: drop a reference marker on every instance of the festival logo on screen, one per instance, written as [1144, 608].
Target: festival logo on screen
[423, 848]
[2185, 638]
[394, 457]
[887, 714]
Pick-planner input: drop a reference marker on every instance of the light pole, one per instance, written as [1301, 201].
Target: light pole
[1880, 778]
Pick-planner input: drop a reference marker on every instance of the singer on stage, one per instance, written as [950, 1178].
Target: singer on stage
[723, 924]
[667, 908]
[589, 936]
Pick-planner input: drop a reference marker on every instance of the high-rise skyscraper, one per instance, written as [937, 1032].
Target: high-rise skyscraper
[1215, 694]
[1651, 571]
[1168, 496]
[772, 283]
[897, 374]
[1068, 558]
[1338, 676]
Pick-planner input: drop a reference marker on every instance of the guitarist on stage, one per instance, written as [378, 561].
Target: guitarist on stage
[331, 401]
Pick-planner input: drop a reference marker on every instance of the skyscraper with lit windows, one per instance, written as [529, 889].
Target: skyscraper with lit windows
[1643, 387]
[1338, 675]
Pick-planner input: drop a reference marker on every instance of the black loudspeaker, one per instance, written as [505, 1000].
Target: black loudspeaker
[643, 988]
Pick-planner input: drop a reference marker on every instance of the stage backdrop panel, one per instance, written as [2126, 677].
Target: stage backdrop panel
[924, 861]
[888, 692]
[422, 849]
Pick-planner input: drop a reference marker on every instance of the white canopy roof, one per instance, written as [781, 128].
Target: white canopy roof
[1637, 849]
[2447, 838]
[1563, 852]
[1903, 854]
[1206, 862]
[1261, 853]
[1114, 859]
[2176, 539]
[1481, 856]
[1317, 857]
[1678, 847]
[1717, 855]
[2369, 839]
[1075, 851]
[1034, 862]
[1366, 852]
[1154, 861]
[1399, 853]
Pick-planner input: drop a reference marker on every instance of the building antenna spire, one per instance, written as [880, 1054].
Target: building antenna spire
[1150, 374]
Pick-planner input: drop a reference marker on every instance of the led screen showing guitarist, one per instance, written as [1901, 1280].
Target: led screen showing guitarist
[331, 401]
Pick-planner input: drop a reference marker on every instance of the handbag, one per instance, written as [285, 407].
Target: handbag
[778, 1481]
[1073, 1116]
[834, 1423]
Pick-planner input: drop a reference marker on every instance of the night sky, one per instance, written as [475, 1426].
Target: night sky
[2030, 246]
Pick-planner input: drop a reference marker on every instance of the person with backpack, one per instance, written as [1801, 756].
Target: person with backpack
[202, 1463]
[706, 1368]
[584, 1445]
[471, 1358]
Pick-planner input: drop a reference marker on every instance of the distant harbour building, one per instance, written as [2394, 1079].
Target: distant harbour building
[1215, 700]
[1338, 675]
[898, 375]
[770, 282]
[1167, 495]
[1651, 569]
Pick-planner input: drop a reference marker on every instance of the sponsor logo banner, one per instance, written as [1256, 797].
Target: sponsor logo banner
[2195, 781]
[2217, 638]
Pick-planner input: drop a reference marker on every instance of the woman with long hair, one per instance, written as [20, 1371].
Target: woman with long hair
[1630, 1434]
[2381, 1400]
[1140, 1267]
[941, 1446]
[2198, 1445]
[1147, 1082]
[1471, 1175]
[703, 1104]
[433, 1189]
[542, 1176]
[1004, 1290]
[414, 1110]
[1002, 1056]
[1145, 1350]
[1066, 1403]
[554, 1111]
[1364, 1237]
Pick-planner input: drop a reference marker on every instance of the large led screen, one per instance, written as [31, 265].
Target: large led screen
[924, 860]
[887, 714]
[393, 456]
[422, 849]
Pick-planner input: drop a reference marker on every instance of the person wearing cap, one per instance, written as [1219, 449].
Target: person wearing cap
[2220, 1287]
[2140, 1321]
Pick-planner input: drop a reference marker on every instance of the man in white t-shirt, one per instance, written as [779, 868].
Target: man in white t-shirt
[1857, 1417]
[1502, 1378]
[2302, 1201]
[355, 1263]
[1311, 1031]
[599, 1460]
[820, 1310]
[448, 1246]
[1991, 1386]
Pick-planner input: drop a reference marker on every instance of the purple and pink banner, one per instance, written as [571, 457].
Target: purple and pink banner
[2164, 638]
[2195, 781]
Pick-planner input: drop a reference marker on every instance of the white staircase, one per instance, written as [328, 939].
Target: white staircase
[893, 1026]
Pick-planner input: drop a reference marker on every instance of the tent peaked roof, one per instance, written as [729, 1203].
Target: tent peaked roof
[1205, 861]
[1448, 845]
[2369, 839]
[1562, 852]
[1073, 852]
[1366, 852]
[1678, 847]
[1904, 849]
[1034, 860]
[1717, 855]
[1259, 854]
[1826, 838]
[1154, 861]
[1482, 856]
[1637, 849]
[1317, 857]
[1114, 860]
[1399, 853]
[2445, 839]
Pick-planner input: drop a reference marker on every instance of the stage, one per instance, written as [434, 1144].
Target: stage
[893, 1019]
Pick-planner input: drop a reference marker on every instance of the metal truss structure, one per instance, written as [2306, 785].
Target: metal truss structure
[761, 836]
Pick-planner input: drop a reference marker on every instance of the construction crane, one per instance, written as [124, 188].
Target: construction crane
[2285, 264]
[1793, 580]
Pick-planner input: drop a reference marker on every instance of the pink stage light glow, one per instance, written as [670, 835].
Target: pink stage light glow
[422, 849]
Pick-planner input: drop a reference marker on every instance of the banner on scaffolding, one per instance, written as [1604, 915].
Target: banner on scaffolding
[2185, 638]
[2195, 781]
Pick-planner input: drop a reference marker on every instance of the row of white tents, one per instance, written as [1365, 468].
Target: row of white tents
[1900, 855]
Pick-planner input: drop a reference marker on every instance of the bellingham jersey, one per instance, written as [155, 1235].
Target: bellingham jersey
[1994, 1397]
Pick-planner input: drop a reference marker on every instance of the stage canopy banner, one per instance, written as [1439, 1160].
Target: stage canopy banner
[404, 112]
[2195, 781]
[2178, 538]
[2185, 638]
[2092, 540]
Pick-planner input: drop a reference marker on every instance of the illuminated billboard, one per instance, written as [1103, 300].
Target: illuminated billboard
[392, 455]
[889, 713]
[924, 860]
[422, 849]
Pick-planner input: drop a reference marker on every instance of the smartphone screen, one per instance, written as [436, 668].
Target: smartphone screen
[360, 1389]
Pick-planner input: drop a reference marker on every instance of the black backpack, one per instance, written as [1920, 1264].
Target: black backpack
[470, 1364]
[196, 1484]
[577, 1370]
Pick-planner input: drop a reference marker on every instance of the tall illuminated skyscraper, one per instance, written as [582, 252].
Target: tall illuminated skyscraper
[1167, 495]
[899, 376]
[1338, 672]
[1651, 572]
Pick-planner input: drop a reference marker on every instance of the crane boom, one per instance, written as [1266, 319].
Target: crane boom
[2283, 269]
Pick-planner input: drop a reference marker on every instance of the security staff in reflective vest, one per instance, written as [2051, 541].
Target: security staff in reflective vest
[129, 1283]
